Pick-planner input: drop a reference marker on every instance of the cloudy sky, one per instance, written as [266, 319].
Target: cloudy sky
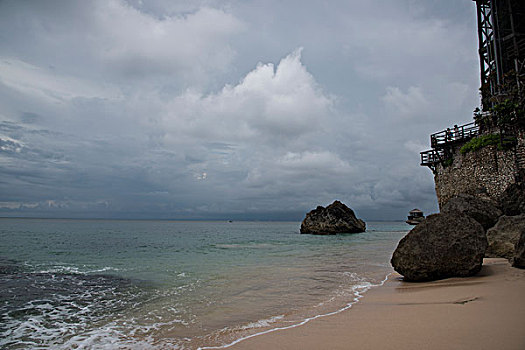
[258, 109]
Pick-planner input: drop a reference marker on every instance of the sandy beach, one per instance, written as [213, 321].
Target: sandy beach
[482, 312]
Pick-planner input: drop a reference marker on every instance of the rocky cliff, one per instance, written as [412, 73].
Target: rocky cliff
[481, 195]
[485, 173]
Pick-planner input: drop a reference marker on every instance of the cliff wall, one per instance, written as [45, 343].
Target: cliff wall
[485, 173]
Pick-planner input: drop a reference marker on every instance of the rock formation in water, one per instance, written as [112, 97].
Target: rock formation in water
[504, 236]
[335, 218]
[444, 245]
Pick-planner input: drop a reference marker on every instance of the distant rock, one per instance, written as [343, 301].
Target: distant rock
[335, 218]
[444, 245]
[483, 211]
[519, 256]
[503, 237]
[512, 201]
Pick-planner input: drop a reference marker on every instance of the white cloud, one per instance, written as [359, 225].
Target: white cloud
[415, 147]
[48, 86]
[110, 40]
[137, 43]
[313, 161]
[162, 107]
[7, 144]
[274, 105]
[400, 45]
[10, 205]
[406, 105]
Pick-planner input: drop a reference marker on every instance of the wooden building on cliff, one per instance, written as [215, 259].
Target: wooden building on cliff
[486, 157]
[501, 37]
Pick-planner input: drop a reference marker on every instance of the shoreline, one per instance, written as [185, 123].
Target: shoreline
[358, 293]
[483, 312]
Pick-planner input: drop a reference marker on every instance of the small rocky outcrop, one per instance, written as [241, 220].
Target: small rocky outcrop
[444, 245]
[335, 218]
[503, 237]
[483, 211]
[519, 257]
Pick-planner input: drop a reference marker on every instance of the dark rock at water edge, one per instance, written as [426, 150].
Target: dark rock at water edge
[519, 257]
[503, 237]
[483, 211]
[444, 245]
[335, 218]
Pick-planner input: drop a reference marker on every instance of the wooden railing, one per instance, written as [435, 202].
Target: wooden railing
[453, 135]
[441, 141]
[432, 157]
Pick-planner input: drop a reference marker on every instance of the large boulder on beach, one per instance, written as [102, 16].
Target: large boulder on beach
[519, 256]
[483, 211]
[503, 237]
[444, 245]
[335, 218]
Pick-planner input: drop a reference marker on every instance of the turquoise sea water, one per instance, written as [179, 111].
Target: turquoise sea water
[96, 284]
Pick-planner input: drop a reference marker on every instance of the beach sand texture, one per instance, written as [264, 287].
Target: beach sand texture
[482, 312]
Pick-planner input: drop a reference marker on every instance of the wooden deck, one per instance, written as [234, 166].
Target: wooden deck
[451, 136]
[443, 141]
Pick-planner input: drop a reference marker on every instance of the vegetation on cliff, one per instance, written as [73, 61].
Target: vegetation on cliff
[502, 143]
[507, 109]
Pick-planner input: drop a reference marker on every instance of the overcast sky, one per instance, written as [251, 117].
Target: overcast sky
[228, 109]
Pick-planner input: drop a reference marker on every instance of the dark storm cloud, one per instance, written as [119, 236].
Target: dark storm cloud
[208, 109]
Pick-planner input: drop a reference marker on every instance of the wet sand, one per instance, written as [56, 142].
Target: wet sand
[482, 312]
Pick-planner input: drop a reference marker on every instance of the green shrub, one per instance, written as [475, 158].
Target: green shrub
[488, 140]
[508, 112]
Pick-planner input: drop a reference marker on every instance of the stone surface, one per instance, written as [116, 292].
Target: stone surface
[444, 245]
[512, 201]
[503, 237]
[481, 210]
[519, 257]
[335, 218]
[485, 173]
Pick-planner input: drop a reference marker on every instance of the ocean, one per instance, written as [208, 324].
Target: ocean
[111, 284]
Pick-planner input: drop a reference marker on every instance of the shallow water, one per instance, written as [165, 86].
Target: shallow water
[152, 284]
